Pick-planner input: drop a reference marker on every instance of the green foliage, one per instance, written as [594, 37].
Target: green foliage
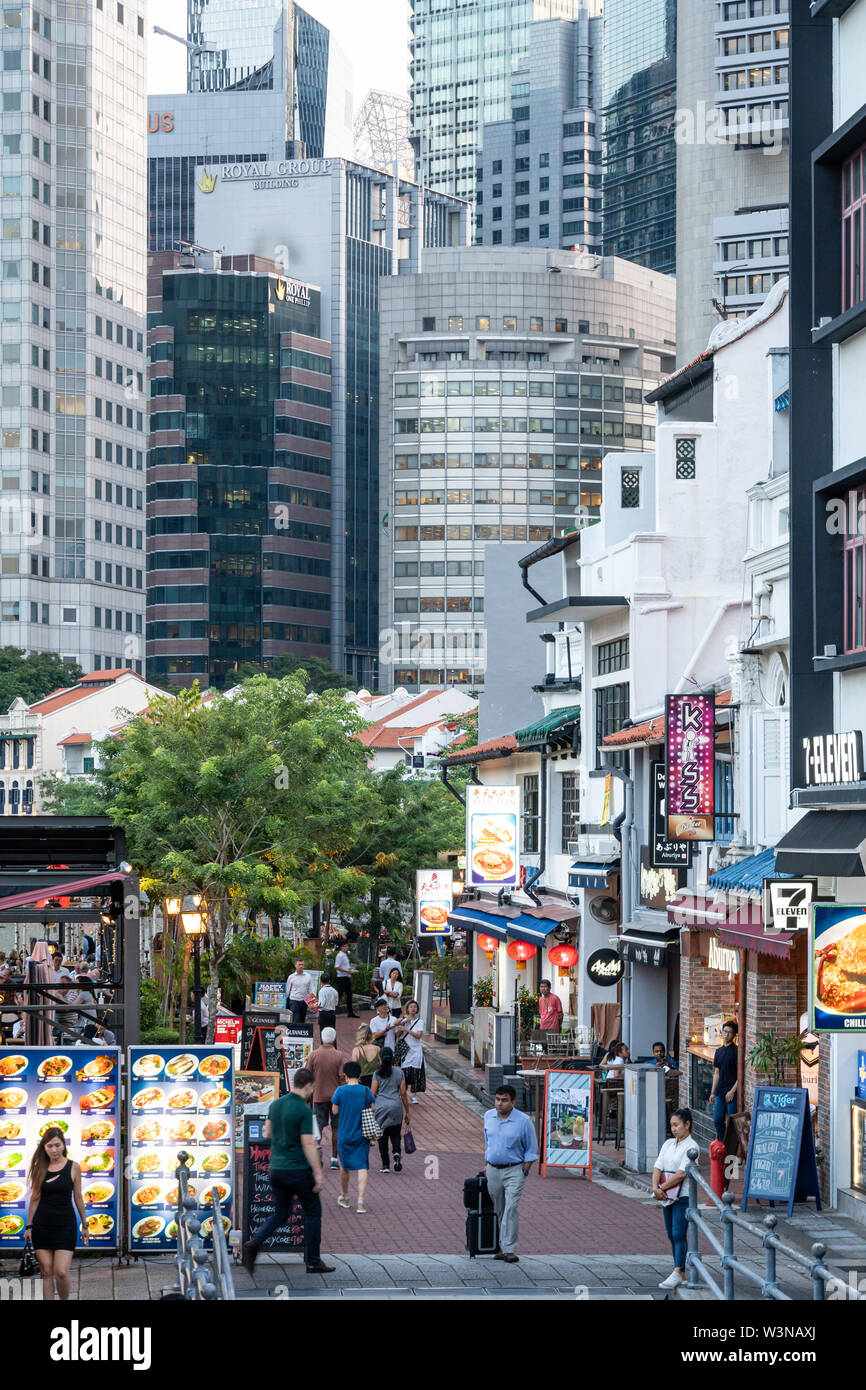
[528, 1013]
[774, 1056]
[483, 992]
[150, 1003]
[318, 674]
[78, 797]
[33, 677]
[156, 1036]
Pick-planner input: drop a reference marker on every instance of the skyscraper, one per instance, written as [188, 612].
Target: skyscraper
[463, 58]
[546, 191]
[640, 99]
[73, 272]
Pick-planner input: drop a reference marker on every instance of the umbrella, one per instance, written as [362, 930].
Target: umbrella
[41, 972]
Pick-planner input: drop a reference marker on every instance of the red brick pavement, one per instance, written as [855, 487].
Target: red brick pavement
[422, 1207]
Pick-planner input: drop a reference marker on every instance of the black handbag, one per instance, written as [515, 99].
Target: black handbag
[29, 1266]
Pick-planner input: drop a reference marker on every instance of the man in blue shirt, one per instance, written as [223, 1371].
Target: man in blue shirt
[510, 1148]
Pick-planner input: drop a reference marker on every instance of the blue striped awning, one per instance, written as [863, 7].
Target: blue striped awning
[588, 875]
[471, 919]
[783, 400]
[747, 875]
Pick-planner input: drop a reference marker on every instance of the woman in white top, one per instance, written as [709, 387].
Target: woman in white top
[669, 1187]
[411, 1031]
[394, 991]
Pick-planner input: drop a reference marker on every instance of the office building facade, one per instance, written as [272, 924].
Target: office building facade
[506, 376]
[539, 172]
[463, 58]
[72, 331]
[733, 163]
[345, 228]
[640, 100]
[239, 468]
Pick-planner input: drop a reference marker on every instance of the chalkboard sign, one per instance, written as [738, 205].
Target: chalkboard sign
[258, 1202]
[781, 1166]
[261, 1018]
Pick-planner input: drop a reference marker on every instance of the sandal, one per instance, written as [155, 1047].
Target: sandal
[361, 1209]
[343, 1202]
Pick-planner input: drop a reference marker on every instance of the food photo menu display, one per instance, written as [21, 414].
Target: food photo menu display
[180, 1099]
[78, 1091]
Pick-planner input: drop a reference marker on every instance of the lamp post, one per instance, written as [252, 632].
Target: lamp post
[194, 927]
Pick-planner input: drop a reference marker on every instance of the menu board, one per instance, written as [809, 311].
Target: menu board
[270, 993]
[780, 1166]
[258, 1198]
[78, 1092]
[298, 1039]
[567, 1129]
[252, 1088]
[180, 1098]
[492, 818]
[253, 1019]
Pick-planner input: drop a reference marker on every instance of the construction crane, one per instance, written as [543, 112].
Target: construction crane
[382, 133]
[195, 51]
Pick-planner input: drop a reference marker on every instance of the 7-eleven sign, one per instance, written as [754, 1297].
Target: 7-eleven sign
[787, 904]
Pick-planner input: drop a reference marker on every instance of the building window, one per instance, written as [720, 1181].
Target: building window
[455, 323]
[629, 487]
[612, 656]
[570, 809]
[611, 708]
[724, 801]
[855, 575]
[530, 814]
[428, 325]
[685, 459]
[853, 224]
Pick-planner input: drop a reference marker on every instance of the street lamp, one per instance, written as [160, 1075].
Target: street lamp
[195, 927]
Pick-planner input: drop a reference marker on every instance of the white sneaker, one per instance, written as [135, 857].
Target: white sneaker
[412, 1100]
[673, 1281]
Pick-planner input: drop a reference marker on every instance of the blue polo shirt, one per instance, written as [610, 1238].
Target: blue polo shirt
[511, 1140]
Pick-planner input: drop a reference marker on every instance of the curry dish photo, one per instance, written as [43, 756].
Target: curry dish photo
[840, 973]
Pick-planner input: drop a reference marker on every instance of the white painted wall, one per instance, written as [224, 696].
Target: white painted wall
[849, 47]
[848, 403]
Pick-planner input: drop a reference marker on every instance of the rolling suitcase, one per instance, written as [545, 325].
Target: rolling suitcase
[482, 1224]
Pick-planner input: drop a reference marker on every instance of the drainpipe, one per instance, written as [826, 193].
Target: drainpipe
[621, 827]
[687, 679]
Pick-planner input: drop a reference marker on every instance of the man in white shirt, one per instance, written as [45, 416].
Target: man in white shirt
[328, 1001]
[382, 1025]
[343, 967]
[298, 986]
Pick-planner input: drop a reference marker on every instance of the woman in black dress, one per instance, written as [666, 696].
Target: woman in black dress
[55, 1183]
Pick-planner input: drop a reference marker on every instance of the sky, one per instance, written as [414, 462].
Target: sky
[374, 35]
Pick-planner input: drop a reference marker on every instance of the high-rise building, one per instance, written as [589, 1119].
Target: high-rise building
[732, 161]
[506, 377]
[463, 58]
[239, 468]
[276, 87]
[73, 272]
[547, 191]
[640, 100]
[347, 229]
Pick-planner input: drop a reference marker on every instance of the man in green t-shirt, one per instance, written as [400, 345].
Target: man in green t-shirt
[296, 1171]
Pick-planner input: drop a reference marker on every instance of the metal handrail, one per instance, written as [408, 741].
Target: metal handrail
[697, 1272]
[196, 1280]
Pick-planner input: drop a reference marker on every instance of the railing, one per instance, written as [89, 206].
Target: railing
[731, 1265]
[199, 1279]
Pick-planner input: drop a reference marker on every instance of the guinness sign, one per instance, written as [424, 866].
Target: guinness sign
[605, 967]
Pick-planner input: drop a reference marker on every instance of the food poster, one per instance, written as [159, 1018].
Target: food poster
[180, 1098]
[252, 1088]
[76, 1090]
[838, 968]
[434, 898]
[297, 1044]
[567, 1133]
[492, 850]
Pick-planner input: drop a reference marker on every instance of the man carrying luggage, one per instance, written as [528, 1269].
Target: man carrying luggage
[510, 1148]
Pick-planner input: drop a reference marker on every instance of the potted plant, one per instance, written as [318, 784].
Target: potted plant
[773, 1057]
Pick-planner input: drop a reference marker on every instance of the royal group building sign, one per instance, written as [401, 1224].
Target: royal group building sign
[690, 755]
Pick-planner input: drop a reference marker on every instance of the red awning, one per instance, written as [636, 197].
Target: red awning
[46, 891]
[744, 929]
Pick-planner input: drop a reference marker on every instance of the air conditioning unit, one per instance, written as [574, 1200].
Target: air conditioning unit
[594, 847]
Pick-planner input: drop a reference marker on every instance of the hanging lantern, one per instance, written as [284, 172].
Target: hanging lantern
[487, 944]
[563, 957]
[520, 952]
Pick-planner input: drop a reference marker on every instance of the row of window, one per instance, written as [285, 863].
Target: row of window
[102, 571]
[754, 248]
[534, 424]
[763, 42]
[413, 569]
[760, 282]
[483, 324]
[102, 530]
[435, 603]
[478, 533]
[755, 77]
[20, 799]
[123, 621]
[464, 675]
[104, 491]
[486, 496]
[565, 388]
[752, 9]
[21, 751]
[113, 453]
[531, 816]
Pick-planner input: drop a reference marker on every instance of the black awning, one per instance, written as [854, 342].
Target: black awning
[824, 843]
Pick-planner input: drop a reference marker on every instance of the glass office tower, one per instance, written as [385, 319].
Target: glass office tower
[640, 80]
[462, 62]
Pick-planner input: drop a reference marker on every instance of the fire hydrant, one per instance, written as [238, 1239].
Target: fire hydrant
[718, 1154]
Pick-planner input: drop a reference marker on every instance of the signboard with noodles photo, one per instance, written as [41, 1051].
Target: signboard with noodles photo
[434, 898]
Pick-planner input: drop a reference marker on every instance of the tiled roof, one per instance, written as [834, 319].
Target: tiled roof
[398, 735]
[75, 738]
[392, 723]
[651, 730]
[494, 747]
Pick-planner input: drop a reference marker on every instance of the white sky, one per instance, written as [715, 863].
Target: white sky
[374, 35]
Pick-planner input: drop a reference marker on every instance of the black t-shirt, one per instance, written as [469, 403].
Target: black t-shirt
[726, 1060]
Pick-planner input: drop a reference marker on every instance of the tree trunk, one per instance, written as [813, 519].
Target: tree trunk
[184, 991]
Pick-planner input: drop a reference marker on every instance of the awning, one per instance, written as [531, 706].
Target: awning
[536, 733]
[513, 921]
[646, 947]
[50, 891]
[747, 875]
[824, 843]
[783, 400]
[744, 929]
[465, 919]
[585, 874]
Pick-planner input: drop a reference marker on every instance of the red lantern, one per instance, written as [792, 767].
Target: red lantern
[520, 952]
[487, 944]
[563, 956]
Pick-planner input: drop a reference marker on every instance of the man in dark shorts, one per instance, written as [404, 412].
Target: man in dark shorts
[724, 1089]
[296, 1171]
[326, 1064]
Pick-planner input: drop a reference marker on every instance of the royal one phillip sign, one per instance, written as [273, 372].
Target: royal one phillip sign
[492, 821]
[434, 898]
[690, 750]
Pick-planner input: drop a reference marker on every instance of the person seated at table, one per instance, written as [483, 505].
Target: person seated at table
[549, 1008]
[661, 1058]
[615, 1063]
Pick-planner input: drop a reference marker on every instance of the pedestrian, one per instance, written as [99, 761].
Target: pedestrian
[550, 1009]
[388, 964]
[668, 1178]
[376, 981]
[382, 1024]
[328, 1001]
[343, 969]
[391, 1108]
[410, 1031]
[510, 1148]
[298, 986]
[295, 1171]
[723, 1092]
[353, 1148]
[326, 1063]
[393, 992]
[366, 1053]
[55, 1195]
